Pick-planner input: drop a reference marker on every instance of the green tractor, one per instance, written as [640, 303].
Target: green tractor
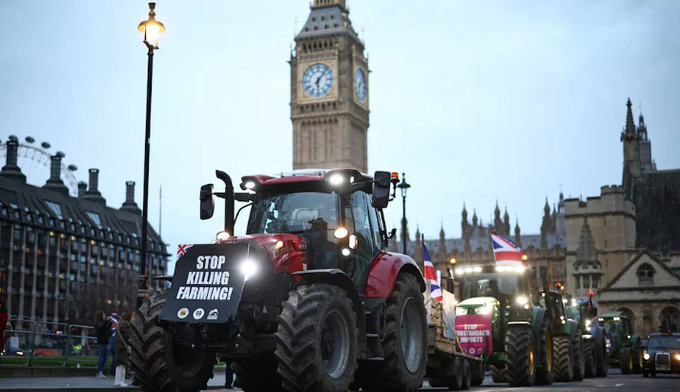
[623, 347]
[521, 342]
[594, 344]
[569, 361]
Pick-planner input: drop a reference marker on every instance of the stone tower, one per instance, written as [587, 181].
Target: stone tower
[329, 91]
[631, 152]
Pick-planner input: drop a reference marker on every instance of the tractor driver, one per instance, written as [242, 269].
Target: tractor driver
[324, 250]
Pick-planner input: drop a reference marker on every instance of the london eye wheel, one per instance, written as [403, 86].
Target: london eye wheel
[34, 161]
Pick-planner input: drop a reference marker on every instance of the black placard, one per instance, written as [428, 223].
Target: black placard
[207, 284]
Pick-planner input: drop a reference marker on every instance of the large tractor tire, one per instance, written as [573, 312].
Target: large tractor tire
[404, 342]
[637, 358]
[579, 357]
[520, 353]
[255, 375]
[545, 374]
[589, 358]
[316, 340]
[626, 360]
[162, 363]
[564, 368]
[600, 348]
[498, 374]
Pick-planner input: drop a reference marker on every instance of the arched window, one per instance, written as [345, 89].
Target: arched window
[645, 275]
[670, 318]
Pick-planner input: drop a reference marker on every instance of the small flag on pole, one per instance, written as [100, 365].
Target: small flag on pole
[506, 252]
[431, 276]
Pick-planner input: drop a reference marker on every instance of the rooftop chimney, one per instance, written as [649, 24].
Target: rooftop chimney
[11, 170]
[55, 183]
[130, 205]
[93, 193]
[82, 188]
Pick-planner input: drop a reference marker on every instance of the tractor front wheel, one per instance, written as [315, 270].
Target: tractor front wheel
[498, 374]
[626, 360]
[579, 357]
[163, 363]
[316, 341]
[589, 358]
[520, 352]
[564, 369]
[544, 372]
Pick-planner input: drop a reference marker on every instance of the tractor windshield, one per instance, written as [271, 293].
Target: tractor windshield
[504, 287]
[613, 327]
[573, 313]
[294, 213]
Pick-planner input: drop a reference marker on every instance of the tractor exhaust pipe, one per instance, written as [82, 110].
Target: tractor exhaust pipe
[228, 201]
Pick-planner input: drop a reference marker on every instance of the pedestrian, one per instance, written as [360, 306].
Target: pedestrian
[3, 325]
[102, 326]
[229, 376]
[123, 350]
[114, 320]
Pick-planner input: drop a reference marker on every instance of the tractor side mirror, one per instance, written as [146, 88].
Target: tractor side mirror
[207, 201]
[381, 189]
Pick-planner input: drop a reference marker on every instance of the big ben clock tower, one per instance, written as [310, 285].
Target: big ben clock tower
[329, 91]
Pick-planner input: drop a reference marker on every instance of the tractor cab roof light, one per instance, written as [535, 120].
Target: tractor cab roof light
[336, 179]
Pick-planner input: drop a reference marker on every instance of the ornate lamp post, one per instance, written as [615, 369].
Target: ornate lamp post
[152, 30]
[403, 187]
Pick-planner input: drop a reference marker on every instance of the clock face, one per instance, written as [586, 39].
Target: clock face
[317, 80]
[360, 84]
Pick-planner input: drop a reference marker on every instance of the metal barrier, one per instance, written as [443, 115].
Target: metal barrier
[66, 344]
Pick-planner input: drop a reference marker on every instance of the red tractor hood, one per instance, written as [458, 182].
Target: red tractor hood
[288, 252]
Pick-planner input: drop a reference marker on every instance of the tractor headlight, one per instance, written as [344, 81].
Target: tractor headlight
[588, 323]
[677, 356]
[248, 268]
[646, 356]
[459, 271]
[336, 179]
[522, 300]
[346, 252]
[249, 185]
[222, 236]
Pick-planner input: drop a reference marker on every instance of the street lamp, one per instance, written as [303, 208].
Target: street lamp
[152, 30]
[403, 187]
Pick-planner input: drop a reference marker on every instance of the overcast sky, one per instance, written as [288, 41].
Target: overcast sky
[476, 101]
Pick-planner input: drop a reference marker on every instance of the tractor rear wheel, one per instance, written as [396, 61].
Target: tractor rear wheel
[564, 369]
[544, 372]
[316, 340]
[578, 356]
[163, 363]
[626, 360]
[520, 353]
[498, 374]
[589, 358]
[259, 374]
[404, 342]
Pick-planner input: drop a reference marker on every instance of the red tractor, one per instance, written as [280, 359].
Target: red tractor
[308, 300]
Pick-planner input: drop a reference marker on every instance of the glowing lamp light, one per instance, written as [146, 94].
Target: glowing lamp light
[460, 271]
[278, 245]
[477, 269]
[340, 233]
[345, 252]
[646, 356]
[522, 300]
[500, 268]
[336, 179]
[453, 260]
[519, 269]
[248, 268]
[525, 258]
[151, 28]
[250, 185]
[222, 236]
[677, 356]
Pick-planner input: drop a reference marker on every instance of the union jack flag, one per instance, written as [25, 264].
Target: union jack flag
[431, 277]
[182, 250]
[506, 252]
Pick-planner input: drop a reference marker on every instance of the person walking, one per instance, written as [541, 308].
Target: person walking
[102, 326]
[123, 350]
[114, 320]
[229, 376]
[3, 325]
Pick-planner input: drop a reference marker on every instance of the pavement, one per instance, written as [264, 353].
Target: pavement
[614, 382]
